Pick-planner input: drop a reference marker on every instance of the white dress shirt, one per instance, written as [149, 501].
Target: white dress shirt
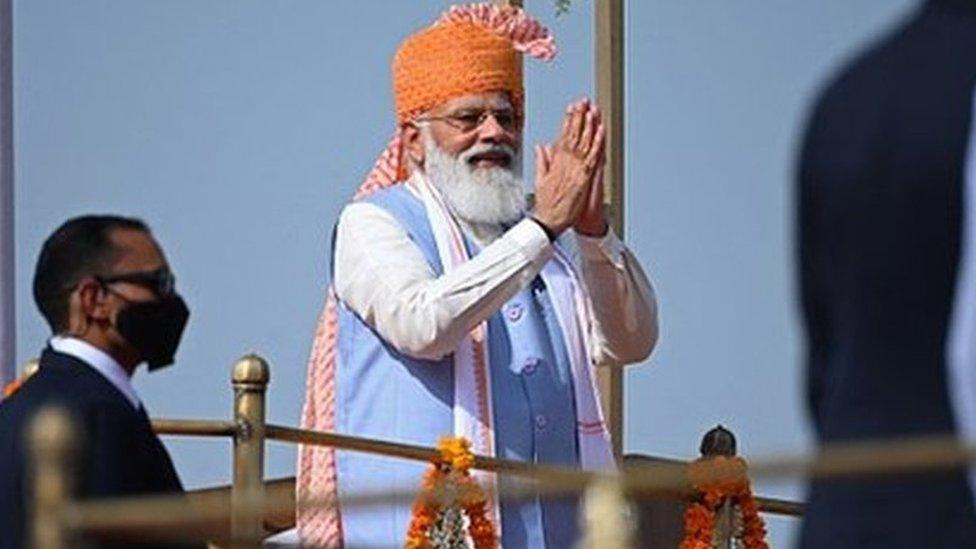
[382, 275]
[100, 361]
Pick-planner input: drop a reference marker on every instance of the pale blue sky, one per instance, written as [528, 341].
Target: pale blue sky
[238, 128]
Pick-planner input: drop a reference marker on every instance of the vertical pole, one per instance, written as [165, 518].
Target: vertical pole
[7, 335]
[250, 380]
[52, 440]
[610, 96]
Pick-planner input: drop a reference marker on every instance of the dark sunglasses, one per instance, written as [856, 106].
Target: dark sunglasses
[161, 280]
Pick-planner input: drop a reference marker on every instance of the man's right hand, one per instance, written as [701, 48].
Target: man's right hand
[565, 171]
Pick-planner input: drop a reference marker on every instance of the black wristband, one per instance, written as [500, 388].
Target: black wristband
[550, 234]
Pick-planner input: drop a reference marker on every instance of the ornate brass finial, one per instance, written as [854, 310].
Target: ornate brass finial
[251, 370]
[718, 442]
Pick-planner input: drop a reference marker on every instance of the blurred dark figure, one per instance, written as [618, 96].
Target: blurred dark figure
[881, 223]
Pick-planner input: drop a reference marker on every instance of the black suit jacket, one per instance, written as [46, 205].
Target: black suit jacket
[120, 453]
[880, 219]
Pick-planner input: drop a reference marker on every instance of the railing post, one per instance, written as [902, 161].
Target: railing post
[52, 440]
[250, 380]
[607, 517]
[721, 442]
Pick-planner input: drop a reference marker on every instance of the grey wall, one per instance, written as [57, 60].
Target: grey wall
[238, 128]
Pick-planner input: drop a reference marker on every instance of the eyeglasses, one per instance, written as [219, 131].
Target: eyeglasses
[470, 120]
[161, 280]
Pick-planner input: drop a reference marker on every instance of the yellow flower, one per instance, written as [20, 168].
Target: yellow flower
[456, 452]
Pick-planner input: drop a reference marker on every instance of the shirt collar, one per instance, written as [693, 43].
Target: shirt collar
[100, 361]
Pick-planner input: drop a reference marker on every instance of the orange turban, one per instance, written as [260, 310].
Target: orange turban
[469, 50]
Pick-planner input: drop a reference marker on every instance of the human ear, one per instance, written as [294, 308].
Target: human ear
[92, 302]
[413, 144]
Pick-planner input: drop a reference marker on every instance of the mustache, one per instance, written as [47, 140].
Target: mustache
[506, 152]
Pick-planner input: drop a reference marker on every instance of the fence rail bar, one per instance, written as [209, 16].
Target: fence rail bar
[207, 513]
[866, 459]
[776, 506]
[862, 459]
[110, 515]
[912, 455]
[673, 485]
[419, 453]
[194, 427]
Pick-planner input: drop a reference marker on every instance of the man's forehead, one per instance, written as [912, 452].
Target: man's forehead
[492, 100]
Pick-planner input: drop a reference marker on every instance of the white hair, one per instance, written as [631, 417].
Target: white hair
[488, 200]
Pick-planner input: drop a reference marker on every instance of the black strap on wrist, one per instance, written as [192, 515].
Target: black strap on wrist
[550, 234]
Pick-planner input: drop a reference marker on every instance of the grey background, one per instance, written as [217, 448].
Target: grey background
[237, 129]
[7, 299]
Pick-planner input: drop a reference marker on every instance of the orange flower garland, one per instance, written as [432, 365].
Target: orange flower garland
[12, 387]
[448, 487]
[717, 479]
[18, 382]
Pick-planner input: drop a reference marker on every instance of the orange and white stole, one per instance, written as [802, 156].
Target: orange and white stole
[320, 524]
[318, 517]
[473, 416]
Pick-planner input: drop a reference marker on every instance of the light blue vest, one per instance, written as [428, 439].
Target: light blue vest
[384, 394]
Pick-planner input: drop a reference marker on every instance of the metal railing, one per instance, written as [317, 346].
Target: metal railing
[57, 519]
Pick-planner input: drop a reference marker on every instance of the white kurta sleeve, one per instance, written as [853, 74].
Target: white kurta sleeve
[624, 326]
[382, 276]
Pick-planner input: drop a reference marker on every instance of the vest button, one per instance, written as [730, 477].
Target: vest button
[530, 366]
[541, 421]
[514, 312]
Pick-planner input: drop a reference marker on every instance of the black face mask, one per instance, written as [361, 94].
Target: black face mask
[154, 328]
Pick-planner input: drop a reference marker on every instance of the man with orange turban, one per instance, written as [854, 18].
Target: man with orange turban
[456, 310]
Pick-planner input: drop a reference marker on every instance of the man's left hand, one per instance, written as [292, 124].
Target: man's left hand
[592, 221]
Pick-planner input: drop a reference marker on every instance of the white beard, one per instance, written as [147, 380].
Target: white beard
[487, 200]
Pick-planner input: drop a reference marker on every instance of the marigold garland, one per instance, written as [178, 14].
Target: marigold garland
[717, 479]
[12, 387]
[448, 487]
[18, 382]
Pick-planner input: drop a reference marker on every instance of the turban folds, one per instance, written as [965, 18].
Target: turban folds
[469, 50]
